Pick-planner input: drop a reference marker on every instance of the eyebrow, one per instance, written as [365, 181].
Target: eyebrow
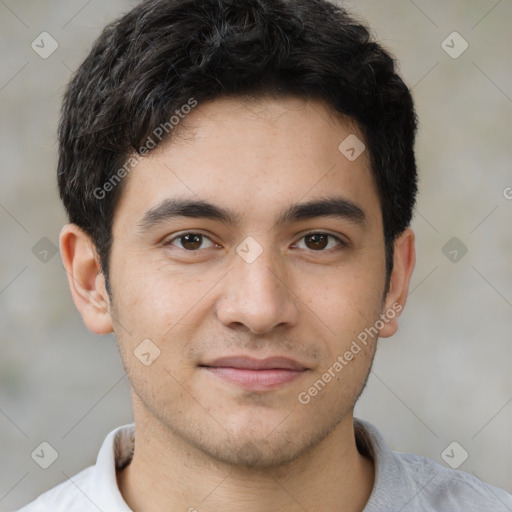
[171, 208]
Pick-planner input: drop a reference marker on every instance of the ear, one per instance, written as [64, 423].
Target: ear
[85, 278]
[404, 259]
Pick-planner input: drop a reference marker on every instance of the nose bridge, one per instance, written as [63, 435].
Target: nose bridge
[258, 269]
[257, 294]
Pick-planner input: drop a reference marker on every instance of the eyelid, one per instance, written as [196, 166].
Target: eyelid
[341, 241]
[168, 240]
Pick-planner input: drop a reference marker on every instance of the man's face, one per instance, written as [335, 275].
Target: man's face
[260, 287]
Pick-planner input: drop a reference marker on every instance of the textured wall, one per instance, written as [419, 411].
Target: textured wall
[445, 376]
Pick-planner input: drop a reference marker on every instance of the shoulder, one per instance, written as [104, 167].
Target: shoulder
[443, 489]
[67, 496]
[414, 483]
[95, 488]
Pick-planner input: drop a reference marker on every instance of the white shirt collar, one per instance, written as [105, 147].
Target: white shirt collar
[115, 453]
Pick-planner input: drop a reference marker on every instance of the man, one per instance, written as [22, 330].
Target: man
[240, 180]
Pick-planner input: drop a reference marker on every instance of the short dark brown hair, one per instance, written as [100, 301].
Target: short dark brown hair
[148, 64]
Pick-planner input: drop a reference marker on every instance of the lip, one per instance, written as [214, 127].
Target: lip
[256, 374]
[251, 363]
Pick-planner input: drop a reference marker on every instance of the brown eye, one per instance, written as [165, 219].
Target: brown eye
[320, 241]
[189, 241]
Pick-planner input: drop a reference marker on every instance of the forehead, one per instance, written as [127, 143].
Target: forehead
[252, 155]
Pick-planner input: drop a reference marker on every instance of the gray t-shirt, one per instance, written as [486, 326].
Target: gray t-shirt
[403, 482]
[413, 483]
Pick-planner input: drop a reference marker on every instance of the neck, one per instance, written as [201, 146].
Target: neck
[168, 474]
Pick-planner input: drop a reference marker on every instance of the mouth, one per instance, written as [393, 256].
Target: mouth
[256, 374]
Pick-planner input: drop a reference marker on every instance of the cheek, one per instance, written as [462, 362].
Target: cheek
[159, 303]
[349, 306]
[351, 296]
[145, 291]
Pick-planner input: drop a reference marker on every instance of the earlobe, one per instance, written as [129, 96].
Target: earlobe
[85, 278]
[404, 259]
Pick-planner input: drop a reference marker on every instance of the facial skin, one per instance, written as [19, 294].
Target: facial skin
[203, 441]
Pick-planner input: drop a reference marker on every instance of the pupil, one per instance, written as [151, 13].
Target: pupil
[195, 243]
[192, 241]
[317, 241]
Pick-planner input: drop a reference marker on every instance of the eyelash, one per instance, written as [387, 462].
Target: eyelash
[341, 243]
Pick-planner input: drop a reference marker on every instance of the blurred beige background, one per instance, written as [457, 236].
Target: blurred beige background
[447, 374]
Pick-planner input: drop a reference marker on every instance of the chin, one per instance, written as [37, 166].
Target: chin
[256, 454]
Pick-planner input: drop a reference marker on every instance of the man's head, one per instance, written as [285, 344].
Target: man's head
[258, 227]
[149, 68]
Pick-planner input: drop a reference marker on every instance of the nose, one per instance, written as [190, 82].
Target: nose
[258, 295]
